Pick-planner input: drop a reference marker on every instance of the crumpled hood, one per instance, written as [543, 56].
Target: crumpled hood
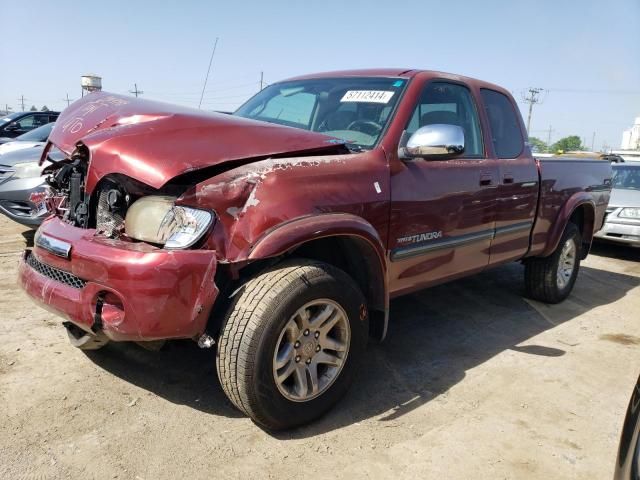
[154, 142]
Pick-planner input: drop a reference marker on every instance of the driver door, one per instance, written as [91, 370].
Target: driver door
[442, 210]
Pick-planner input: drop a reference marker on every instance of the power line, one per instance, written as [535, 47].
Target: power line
[595, 91]
[204, 87]
[135, 90]
[532, 98]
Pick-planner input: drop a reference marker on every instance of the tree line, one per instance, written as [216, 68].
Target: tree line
[33, 108]
[571, 143]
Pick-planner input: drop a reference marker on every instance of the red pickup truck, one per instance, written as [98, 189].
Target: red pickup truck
[280, 233]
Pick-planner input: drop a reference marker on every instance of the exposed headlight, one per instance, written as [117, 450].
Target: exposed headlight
[157, 219]
[27, 170]
[629, 213]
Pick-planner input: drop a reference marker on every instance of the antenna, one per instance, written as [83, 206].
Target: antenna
[208, 70]
[532, 98]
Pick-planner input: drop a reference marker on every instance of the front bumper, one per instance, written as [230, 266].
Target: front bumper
[15, 203]
[130, 291]
[627, 233]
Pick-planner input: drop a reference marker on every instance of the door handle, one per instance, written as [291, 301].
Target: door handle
[507, 178]
[486, 179]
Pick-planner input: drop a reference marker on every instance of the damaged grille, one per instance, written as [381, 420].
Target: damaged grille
[54, 273]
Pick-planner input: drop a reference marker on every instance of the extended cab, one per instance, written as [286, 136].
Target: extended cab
[280, 233]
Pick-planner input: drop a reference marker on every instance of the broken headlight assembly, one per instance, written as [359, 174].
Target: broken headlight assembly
[158, 220]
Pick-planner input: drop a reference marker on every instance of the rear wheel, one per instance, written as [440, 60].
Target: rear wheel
[291, 343]
[551, 279]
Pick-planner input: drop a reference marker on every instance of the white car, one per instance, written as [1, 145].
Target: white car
[622, 221]
[34, 138]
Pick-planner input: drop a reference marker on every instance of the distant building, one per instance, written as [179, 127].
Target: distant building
[631, 137]
[90, 83]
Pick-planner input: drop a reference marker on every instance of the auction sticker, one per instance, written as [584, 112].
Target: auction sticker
[367, 96]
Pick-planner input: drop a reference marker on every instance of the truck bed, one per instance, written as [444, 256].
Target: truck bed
[563, 182]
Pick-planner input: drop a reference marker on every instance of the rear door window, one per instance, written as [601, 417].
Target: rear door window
[41, 119]
[504, 123]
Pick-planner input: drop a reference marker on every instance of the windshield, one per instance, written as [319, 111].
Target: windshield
[7, 118]
[626, 177]
[355, 110]
[39, 134]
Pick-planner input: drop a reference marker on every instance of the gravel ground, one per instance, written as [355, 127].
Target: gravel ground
[473, 382]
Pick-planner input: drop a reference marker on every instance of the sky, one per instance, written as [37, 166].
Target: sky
[585, 54]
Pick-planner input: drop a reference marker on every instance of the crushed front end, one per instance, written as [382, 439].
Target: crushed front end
[132, 245]
[150, 281]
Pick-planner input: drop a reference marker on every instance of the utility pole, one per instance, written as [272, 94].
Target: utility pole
[68, 100]
[208, 70]
[7, 108]
[261, 80]
[549, 138]
[135, 90]
[532, 98]
[22, 99]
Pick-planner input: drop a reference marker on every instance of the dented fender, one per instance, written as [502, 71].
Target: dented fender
[271, 205]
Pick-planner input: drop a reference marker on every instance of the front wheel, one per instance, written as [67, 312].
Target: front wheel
[551, 279]
[291, 343]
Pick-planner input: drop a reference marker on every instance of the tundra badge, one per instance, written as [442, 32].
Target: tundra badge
[421, 237]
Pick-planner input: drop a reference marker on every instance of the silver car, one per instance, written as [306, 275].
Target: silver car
[23, 187]
[622, 223]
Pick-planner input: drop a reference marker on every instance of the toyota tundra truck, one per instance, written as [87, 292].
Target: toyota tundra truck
[279, 234]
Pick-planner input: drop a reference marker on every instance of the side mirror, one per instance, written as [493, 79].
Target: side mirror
[12, 127]
[435, 141]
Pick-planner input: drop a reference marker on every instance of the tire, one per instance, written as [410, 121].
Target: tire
[255, 335]
[543, 281]
[83, 340]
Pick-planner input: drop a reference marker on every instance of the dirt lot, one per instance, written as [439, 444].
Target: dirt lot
[473, 382]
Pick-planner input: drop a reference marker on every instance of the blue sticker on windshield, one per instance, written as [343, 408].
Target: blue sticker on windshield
[398, 83]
